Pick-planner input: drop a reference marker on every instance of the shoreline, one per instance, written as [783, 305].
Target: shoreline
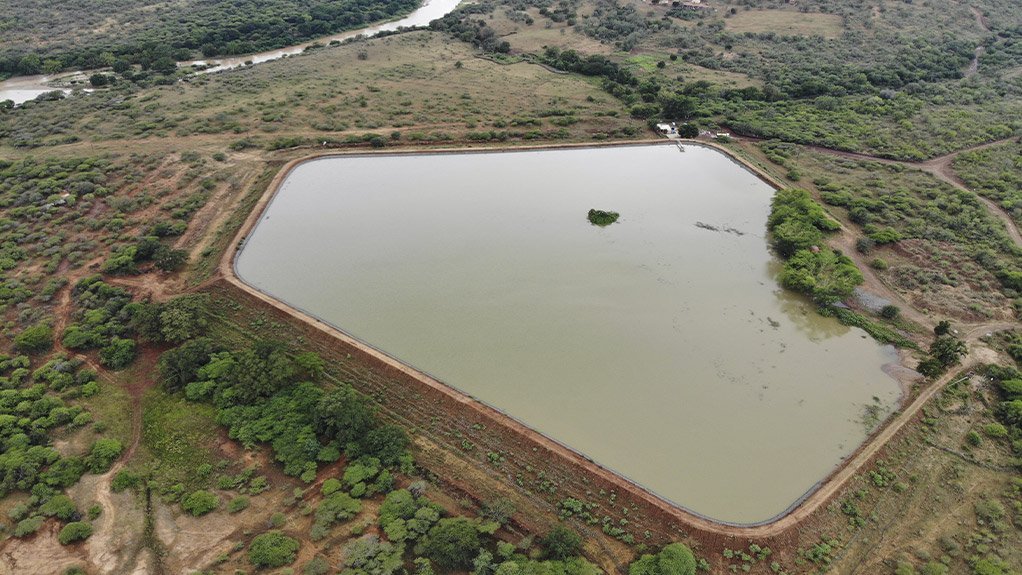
[801, 509]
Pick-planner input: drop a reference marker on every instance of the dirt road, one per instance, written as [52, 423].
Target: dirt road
[941, 168]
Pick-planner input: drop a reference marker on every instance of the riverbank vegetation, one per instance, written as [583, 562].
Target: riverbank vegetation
[154, 36]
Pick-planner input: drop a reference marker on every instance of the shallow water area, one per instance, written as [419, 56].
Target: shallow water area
[24, 88]
[660, 345]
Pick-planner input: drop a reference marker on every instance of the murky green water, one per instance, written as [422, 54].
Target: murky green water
[660, 348]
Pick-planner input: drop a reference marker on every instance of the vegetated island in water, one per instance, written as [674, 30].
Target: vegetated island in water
[602, 218]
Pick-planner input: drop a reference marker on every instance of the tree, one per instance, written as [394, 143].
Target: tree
[386, 443]
[169, 259]
[562, 542]
[260, 371]
[369, 555]
[35, 339]
[30, 65]
[674, 559]
[398, 504]
[344, 414]
[452, 543]
[272, 549]
[676, 106]
[1011, 412]
[943, 327]
[180, 366]
[310, 365]
[73, 532]
[200, 502]
[948, 350]
[333, 509]
[688, 130]
[184, 317]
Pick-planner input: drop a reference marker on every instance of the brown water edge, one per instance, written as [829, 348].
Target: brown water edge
[664, 517]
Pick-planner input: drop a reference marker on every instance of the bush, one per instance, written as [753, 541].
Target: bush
[125, 479]
[35, 339]
[73, 532]
[237, 504]
[103, 454]
[61, 507]
[118, 354]
[889, 311]
[452, 543]
[200, 502]
[272, 549]
[330, 486]
[995, 430]
[28, 526]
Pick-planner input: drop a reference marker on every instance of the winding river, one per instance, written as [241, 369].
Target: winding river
[23, 88]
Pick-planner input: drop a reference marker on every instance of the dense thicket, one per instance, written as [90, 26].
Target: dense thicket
[33, 404]
[263, 396]
[797, 226]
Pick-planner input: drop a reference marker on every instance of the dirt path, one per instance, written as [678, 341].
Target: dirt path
[941, 168]
[981, 20]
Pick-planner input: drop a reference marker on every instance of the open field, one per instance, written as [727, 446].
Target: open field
[786, 22]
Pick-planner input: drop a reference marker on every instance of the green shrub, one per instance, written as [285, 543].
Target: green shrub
[995, 430]
[61, 507]
[125, 479]
[237, 504]
[973, 439]
[200, 502]
[35, 339]
[273, 549]
[28, 526]
[330, 486]
[103, 454]
[73, 532]
[889, 311]
[118, 354]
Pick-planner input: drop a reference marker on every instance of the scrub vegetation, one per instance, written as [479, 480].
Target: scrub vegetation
[148, 423]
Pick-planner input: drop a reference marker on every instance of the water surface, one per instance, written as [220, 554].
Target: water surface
[658, 347]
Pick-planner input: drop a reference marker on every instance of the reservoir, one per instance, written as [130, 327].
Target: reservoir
[661, 345]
